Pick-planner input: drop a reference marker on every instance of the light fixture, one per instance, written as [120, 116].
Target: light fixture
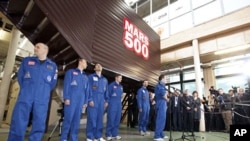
[233, 49]
[25, 40]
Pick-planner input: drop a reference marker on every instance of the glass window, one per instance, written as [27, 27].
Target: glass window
[237, 67]
[178, 8]
[228, 82]
[232, 5]
[175, 86]
[173, 77]
[197, 3]
[207, 12]
[162, 30]
[181, 23]
[190, 75]
[191, 86]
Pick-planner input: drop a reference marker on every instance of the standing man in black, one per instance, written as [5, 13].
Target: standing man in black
[176, 111]
[152, 115]
[132, 109]
[187, 105]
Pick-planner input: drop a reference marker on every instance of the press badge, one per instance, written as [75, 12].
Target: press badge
[114, 94]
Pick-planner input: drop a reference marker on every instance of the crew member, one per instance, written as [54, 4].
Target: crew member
[114, 109]
[75, 93]
[98, 100]
[37, 76]
[144, 107]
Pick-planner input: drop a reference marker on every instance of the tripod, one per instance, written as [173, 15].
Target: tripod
[58, 125]
[170, 126]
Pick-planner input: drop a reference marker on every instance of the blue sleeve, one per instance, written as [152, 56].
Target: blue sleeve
[87, 91]
[21, 73]
[139, 98]
[109, 91]
[106, 94]
[162, 91]
[66, 85]
[54, 80]
[90, 94]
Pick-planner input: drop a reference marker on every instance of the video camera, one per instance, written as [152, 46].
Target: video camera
[213, 91]
[61, 111]
[235, 89]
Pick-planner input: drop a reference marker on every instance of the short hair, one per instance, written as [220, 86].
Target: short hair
[80, 59]
[143, 81]
[161, 77]
[117, 74]
[194, 92]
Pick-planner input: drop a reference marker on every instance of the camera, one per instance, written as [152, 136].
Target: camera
[61, 111]
[213, 91]
[235, 89]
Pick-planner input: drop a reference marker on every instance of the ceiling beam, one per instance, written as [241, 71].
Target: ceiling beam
[26, 13]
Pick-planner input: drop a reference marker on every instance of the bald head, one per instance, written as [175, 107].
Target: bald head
[41, 51]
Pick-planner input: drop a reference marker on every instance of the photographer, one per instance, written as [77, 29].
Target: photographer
[225, 107]
[241, 99]
[213, 91]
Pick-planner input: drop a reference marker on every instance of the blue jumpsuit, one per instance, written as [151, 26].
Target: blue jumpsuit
[36, 81]
[144, 104]
[114, 110]
[161, 109]
[76, 90]
[98, 91]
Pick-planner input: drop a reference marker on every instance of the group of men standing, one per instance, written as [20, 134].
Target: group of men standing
[37, 76]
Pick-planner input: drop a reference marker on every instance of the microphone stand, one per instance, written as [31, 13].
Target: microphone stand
[170, 127]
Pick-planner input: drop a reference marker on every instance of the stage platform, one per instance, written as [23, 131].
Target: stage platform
[131, 134]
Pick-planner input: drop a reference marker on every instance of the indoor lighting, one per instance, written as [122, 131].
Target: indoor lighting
[1, 33]
[21, 45]
[229, 50]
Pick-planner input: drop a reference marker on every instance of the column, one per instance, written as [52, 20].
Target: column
[197, 68]
[209, 79]
[8, 70]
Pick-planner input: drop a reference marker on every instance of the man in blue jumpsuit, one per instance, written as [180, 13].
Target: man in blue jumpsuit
[114, 110]
[161, 108]
[37, 76]
[144, 107]
[75, 94]
[98, 91]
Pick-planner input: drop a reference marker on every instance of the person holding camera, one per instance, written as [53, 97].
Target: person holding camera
[225, 107]
[75, 94]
